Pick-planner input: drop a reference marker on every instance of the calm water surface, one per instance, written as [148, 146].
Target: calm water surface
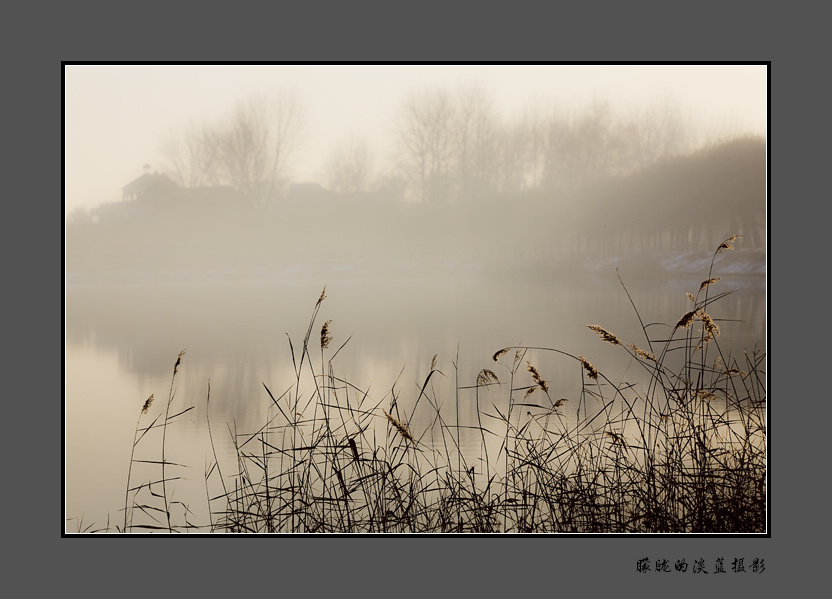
[123, 338]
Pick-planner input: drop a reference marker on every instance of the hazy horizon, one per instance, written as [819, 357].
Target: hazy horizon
[117, 116]
[520, 207]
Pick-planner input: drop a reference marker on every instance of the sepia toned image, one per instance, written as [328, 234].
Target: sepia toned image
[416, 299]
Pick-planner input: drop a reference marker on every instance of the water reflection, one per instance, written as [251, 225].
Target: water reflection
[241, 335]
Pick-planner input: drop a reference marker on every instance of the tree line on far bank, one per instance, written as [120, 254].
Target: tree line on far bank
[448, 145]
[677, 205]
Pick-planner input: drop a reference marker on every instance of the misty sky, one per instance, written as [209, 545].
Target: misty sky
[116, 117]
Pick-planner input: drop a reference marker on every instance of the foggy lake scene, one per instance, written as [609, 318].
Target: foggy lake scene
[415, 299]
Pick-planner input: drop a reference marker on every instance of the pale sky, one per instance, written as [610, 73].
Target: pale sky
[116, 117]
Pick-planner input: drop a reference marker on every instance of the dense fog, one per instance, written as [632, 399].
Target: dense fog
[679, 209]
[464, 205]
[246, 253]
[463, 189]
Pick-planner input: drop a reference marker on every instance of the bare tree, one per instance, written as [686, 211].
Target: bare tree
[524, 149]
[285, 139]
[191, 156]
[427, 144]
[242, 146]
[510, 159]
[251, 150]
[350, 166]
[475, 142]
[654, 132]
[582, 145]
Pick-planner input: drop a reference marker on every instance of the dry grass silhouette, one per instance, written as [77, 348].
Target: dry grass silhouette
[682, 451]
[604, 334]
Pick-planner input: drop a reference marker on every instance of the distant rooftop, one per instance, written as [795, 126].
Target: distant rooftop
[146, 183]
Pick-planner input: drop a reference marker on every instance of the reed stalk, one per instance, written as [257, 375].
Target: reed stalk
[682, 450]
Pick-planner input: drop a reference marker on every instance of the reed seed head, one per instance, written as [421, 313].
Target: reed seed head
[486, 377]
[147, 404]
[178, 361]
[325, 337]
[590, 369]
[726, 245]
[400, 426]
[686, 319]
[498, 354]
[732, 371]
[708, 282]
[711, 328]
[646, 355]
[560, 402]
[605, 334]
[536, 376]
